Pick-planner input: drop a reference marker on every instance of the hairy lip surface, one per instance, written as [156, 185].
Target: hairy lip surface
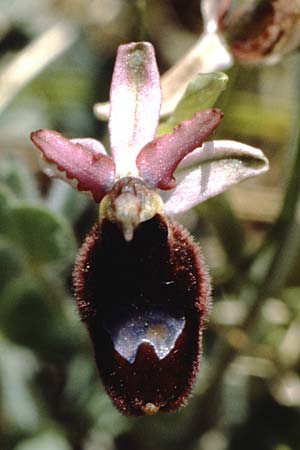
[145, 304]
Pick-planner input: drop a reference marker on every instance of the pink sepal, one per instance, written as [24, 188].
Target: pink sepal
[210, 170]
[135, 99]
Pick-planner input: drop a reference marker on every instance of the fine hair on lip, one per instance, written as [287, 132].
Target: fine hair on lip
[145, 313]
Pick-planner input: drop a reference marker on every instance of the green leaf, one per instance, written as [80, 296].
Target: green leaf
[201, 93]
[42, 236]
[19, 410]
[16, 175]
[49, 440]
[9, 262]
[6, 200]
[29, 319]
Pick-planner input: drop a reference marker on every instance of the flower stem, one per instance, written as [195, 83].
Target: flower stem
[140, 14]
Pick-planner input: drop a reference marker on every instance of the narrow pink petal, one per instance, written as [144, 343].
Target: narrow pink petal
[158, 160]
[135, 99]
[93, 172]
[212, 169]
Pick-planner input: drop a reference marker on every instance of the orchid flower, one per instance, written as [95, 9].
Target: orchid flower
[140, 281]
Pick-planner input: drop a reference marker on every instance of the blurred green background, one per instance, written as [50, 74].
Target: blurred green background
[56, 61]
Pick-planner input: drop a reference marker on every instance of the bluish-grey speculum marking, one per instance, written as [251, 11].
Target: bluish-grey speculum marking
[155, 325]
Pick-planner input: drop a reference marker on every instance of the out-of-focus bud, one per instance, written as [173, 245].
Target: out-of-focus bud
[259, 30]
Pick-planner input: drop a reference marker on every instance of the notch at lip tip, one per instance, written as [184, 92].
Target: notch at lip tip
[150, 409]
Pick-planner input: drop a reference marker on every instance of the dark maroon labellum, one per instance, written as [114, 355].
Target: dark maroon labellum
[144, 302]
